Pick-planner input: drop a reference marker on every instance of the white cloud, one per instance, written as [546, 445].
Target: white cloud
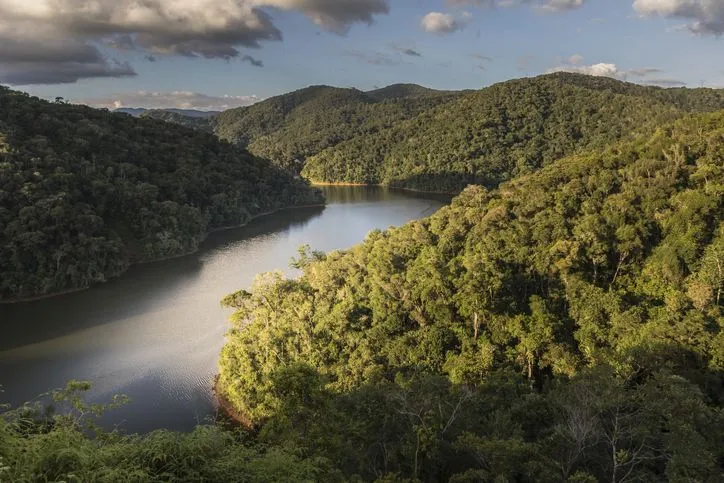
[613, 71]
[444, 23]
[33, 31]
[169, 100]
[705, 16]
[599, 70]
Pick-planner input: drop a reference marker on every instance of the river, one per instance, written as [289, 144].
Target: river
[155, 333]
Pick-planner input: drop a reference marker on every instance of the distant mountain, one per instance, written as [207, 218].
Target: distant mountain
[174, 116]
[289, 128]
[405, 91]
[139, 111]
[412, 136]
[508, 129]
[133, 111]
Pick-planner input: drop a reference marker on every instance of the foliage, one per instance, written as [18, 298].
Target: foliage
[84, 193]
[37, 445]
[565, 326]
[504, 131]
[289, 128]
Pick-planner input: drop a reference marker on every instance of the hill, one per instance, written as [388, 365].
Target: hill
[202, 123]
[84, 193]
[565, 326]
[289, 128]
[508, 129]
[406, 91]
[140, 111]
[576, 307]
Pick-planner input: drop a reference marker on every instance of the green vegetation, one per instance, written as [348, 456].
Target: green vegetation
[504, 131]
[200, 123]
[288, 129]
[412, 137]
[66, 445]
[84, 193]
[567, 326]
[563, 326]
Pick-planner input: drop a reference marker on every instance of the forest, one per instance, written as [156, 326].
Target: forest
[409, 136]
[503, 131]
[565, 325]
[84, 193]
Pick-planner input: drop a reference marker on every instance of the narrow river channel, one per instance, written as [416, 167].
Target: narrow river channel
[155, 333]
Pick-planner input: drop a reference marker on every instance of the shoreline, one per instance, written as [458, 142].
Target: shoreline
[69, 291]
[227, 410]
[413, 190]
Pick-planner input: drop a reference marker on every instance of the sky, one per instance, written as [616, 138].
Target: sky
[220, 54]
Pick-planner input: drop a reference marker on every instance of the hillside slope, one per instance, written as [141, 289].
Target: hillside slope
[577, 307]
[289, 128]
[84, 192]
[509, 129]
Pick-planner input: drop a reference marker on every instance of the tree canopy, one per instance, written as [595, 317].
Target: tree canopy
[565, 325]
[552, 329]
[509, 129]
[84, 193]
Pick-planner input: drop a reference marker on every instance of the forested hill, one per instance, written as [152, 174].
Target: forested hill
[407, 91]
[508, 129]
[565, 327]
[84, 192]
[195, 122]
[289, 128]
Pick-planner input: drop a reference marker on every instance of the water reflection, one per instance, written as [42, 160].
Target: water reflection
[136, 292]
[155, 333]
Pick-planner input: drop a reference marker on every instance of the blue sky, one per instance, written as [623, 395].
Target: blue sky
[466, 45]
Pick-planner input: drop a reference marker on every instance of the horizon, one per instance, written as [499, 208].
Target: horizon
[122, 108]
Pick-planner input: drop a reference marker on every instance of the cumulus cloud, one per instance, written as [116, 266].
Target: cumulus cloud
[704, 16]
[33, 32]
[170, 100]
[599, 70]
[335, 16]
[613, 71]
[444, 23]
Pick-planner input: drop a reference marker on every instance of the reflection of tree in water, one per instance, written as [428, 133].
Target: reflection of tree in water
[133, 293]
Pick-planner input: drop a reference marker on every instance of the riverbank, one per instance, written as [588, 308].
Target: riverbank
[34, 298]
[379, 185]
[228, 411]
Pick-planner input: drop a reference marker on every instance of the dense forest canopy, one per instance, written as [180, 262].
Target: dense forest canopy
[409, 136]
[503, 131]
[84, 192]
[288, 129]
[570, 321]
[565, 325]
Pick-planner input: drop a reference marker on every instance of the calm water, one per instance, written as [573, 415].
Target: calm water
[156, 332]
